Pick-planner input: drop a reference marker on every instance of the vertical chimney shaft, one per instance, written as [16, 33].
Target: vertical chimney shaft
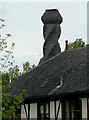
[51, 32]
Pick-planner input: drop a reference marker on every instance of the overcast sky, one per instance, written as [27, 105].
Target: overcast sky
[23, 21]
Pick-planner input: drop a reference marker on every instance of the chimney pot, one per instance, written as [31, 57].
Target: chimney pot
[66, 47]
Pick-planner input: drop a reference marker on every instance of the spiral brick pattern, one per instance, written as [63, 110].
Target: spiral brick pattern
[51, 32]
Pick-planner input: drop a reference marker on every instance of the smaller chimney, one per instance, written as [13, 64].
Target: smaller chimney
[66, 47]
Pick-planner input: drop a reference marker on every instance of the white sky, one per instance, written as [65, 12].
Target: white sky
[44, 0]
[23, 21]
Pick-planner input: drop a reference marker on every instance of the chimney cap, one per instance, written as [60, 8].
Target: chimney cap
[66, 41]
[51, 16]
[51, 10]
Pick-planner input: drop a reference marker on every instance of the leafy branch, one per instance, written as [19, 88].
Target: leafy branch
[4, 59]
[11, 106]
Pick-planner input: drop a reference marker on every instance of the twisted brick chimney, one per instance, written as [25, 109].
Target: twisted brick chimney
[51, 32]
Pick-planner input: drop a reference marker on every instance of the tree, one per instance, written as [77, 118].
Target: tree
[10, 76]
[5, 80]
[11, 103]
[5, 51]
[87, 45]
[14, 73]
[76, 44]
[11, 106]
[27, 67]
[5, 54]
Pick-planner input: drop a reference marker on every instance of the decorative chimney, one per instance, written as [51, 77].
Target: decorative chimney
[51, 32]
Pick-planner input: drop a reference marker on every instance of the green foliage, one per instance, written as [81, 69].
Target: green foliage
[10, 103]
[14, 72]
[33, 66]
[23, 90]
[5, 80]
[76, 44]
[87, 45]
[5, 51]
[11, 106]
[27, 67]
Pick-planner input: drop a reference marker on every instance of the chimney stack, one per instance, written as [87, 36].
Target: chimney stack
[66, 47]
[51, 32]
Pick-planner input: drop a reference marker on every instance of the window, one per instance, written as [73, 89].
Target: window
[71, 109]
[43, 111]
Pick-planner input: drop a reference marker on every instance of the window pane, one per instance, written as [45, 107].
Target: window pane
[44, 111]
[47, 112]
[72, 115]
[46, 116]
[42, 117]
[47, 108]
[67, 106]
[72, 110]
[72, 106]
[41, 109]
[78, 104]
[67, 110]
[67, 116]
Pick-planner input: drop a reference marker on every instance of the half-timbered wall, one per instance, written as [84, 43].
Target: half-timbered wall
[33, 110]
[84, 107]
[55, 108]
[60, 110]
[52, 110]
[24, 111]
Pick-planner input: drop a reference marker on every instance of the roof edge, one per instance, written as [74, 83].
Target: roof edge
[58, 96]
